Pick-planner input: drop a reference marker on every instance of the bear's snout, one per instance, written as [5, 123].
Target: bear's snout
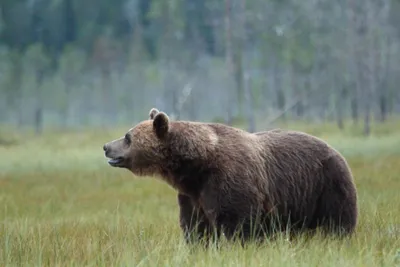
[113, 149]
[107, 150]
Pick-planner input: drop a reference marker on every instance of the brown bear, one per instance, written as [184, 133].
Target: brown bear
[230, 181]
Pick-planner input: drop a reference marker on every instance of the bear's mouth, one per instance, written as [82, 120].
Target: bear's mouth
[116, 162]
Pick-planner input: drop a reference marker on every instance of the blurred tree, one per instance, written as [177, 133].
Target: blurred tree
[72, 63]
[130, 54]
[37, 64]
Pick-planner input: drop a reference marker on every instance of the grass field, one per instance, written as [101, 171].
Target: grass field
[62, 205]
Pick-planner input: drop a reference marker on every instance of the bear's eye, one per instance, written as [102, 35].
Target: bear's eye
[127, 139]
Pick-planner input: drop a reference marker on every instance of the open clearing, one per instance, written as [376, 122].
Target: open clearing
[62, 205]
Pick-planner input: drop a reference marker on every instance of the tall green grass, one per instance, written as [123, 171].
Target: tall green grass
[62, 205]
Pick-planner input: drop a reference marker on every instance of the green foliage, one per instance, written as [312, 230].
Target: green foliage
[35, 57]
[72, 62]
[151, 48]
[5, 64]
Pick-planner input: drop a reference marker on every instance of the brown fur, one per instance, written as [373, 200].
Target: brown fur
[228, 179]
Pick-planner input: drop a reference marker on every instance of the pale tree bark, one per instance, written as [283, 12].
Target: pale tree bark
[383, 60]
[139, 56]
[350, 86]
[369, 74]
[240, 62]
[383, 85]
[297, 89]
[170, 64]
[377, 59]
[229, 62]
[16, 87]
[277, 87]
[71, 65]
[369, 37]
[68, 80]
[244, 73]
[353, 33]
[39, 102]
[367, 94]
[340, 100]
[104, 56]
[249, 103]
[366, 83]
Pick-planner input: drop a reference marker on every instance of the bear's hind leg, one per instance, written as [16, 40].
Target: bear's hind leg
[337, 207]
[193, 222]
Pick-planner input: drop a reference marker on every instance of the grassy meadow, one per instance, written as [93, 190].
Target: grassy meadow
[62, 205]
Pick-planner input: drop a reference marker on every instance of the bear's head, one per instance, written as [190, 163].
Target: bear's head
[142, 148]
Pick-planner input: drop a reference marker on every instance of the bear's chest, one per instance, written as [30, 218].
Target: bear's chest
[189, 183]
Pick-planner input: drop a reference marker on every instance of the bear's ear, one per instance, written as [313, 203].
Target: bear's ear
[153, 113]
[161, 124]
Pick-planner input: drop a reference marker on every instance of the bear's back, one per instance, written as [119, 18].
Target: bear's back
[295, 158]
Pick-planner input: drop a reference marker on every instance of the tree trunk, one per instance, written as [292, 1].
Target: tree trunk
[367, 119]
[68, 89]
[17, 87]
[383, 82]
[38, 120]
[354, 109]
[383, 107]
[229, 61]
[300, 106]
[249, 103]
[239, 76]
[70, 21]
[340, 98]
[280, 95]
[108, 108]
[138, 57]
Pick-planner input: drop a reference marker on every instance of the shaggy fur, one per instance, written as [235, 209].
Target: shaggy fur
[231, 181]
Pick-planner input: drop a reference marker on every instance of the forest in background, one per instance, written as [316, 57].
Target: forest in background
[72, 63]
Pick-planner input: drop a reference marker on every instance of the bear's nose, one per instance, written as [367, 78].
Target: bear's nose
[105, 147]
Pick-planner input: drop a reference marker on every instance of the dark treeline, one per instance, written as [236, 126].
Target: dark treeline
[68, 63]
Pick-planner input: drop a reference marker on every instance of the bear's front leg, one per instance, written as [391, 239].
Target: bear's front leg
[193, 222]
[235, 215]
